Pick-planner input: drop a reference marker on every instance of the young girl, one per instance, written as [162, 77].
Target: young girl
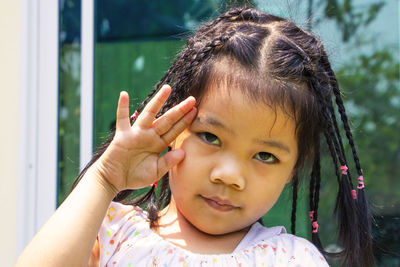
[250, 102]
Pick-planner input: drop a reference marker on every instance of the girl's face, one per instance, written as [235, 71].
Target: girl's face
[239, 156]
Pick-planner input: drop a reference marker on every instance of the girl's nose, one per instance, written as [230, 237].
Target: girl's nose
[228, 172]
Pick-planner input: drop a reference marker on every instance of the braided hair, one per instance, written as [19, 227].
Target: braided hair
[275, 61]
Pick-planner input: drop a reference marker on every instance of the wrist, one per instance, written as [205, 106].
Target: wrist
[102, 181]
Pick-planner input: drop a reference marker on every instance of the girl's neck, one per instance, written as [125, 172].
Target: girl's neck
[174, 228]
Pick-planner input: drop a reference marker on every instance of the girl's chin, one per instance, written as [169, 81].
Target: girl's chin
[218, 229]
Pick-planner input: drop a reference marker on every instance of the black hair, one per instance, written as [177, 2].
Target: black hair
[285, 66]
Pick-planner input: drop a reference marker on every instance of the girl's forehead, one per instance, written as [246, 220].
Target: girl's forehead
[226, 77]
[236, 94]
[230, 105]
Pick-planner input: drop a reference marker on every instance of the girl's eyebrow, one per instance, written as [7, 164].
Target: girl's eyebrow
[275, 144]
[218, 124]
[213, 122]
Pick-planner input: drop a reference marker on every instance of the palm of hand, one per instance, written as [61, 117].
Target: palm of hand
[132, 159]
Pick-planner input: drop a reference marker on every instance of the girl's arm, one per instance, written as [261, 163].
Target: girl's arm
[68, 236]
[131, 161]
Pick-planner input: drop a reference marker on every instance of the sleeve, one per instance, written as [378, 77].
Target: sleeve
[114, 230]
[295, 251]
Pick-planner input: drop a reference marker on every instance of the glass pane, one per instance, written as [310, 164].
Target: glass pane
[69, 96]
[131, 66]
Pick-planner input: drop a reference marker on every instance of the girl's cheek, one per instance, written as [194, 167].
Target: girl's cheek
[195, 147]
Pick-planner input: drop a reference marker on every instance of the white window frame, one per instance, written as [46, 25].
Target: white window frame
[87, 76]
[38, 122]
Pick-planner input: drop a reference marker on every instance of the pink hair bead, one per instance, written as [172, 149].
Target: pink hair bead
[353, 192]
[315, 226]
[311, 215]
[134, 116]
[344, 169]
[360, 182]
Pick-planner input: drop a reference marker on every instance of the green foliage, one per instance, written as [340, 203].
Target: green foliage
[350, 19]
[373, 101]
[69, 119]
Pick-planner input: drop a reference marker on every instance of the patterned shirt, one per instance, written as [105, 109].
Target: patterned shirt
[126, 239]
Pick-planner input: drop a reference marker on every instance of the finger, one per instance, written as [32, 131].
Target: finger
[123, 122]
[169, 160]
[172, 116]
[147, 116]
[181, 125]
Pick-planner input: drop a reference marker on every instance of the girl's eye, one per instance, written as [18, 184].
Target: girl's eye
[266, 157]
[209, 138]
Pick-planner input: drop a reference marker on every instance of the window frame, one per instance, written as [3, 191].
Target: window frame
[38, 117]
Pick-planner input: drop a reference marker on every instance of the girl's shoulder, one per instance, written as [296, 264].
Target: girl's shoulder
[120, 218]
[118, 211]
[299, 250]
[121, 223]
[280, 247]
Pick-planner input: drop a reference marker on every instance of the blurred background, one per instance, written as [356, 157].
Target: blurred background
[93, 50]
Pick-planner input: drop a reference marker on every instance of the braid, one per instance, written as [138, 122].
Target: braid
[316, 176]
[339, 138]
[333, 156]
[327, 119]
[341, 109]
[335, 165]
[167, 78]
[239, 15]
[164, 191]
[322, 82]
[200, 56]
[335, 125]
[227, 16]
[294, 203]
[312, 189]
[347, 129]
[363, 209]
[345, 206]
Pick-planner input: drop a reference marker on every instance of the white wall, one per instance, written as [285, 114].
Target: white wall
[9, 118]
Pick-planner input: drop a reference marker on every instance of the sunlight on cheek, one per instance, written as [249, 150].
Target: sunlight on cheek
[180, 140]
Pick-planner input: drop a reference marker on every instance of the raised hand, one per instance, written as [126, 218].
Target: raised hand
[132, 159]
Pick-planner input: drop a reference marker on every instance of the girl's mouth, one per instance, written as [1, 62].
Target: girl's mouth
[219, 204]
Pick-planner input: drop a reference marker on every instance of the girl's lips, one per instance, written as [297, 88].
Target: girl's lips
[219, 204]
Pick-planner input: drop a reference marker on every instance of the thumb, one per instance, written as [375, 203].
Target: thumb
[169, 160]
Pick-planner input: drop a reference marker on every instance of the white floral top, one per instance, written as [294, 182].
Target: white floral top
[125, 239]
